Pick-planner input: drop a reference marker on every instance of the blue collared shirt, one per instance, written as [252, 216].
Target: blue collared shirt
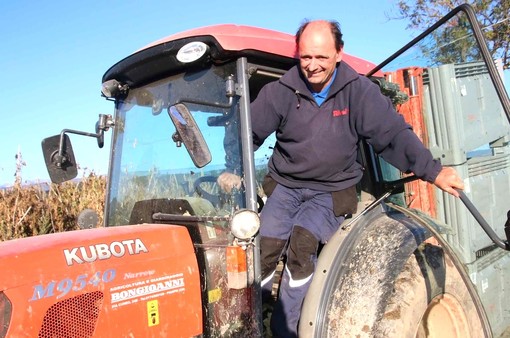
[321, 96]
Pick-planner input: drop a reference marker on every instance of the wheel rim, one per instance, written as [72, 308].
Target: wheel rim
[444, 317]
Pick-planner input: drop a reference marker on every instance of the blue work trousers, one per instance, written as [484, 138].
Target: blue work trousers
[293, 222]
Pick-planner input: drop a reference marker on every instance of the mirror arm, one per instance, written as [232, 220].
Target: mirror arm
[103, 124]
[60, 157]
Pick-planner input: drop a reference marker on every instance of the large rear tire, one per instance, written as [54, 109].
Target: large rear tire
[430, 299]
[377, 292]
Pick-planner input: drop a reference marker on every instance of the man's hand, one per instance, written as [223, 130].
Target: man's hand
[448, 180]
[227, 181]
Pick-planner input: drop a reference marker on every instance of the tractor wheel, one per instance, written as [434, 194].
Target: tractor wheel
[430, 299]
[376, 293]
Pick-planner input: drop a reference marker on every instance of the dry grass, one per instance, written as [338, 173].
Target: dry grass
[47, 208]
[40, 209]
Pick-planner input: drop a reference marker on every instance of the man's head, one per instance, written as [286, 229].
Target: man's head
[320, 46]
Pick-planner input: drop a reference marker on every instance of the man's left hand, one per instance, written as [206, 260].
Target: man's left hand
[228, 181]
[449, 180]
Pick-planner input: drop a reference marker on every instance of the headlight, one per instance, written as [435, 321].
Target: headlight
[245, 224]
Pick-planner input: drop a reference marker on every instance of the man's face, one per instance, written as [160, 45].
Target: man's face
[317, 55]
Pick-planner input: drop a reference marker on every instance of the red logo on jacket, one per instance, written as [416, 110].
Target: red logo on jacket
[342, 112]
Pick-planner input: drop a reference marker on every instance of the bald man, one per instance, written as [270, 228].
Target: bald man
[319, 110]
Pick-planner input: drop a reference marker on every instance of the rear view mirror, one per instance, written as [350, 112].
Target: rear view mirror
[189, 134]
[61, 165]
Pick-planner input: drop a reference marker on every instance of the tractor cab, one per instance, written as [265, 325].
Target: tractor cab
[182, 117]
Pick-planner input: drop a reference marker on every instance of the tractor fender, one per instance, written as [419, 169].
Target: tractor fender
[384, 277]
[399, 241]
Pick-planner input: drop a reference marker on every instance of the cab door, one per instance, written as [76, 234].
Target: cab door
[447, 277]
[450, 89]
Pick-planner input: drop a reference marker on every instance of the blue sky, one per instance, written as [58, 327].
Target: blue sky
[54, 54]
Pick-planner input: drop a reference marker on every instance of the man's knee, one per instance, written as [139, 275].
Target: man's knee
[302, 253]
[271, 250]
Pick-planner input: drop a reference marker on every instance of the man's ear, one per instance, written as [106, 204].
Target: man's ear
[339, 55]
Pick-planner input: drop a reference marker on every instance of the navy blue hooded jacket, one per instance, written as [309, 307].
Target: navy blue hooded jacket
[317, 146]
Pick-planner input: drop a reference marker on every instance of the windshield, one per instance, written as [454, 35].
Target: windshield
[151, 164]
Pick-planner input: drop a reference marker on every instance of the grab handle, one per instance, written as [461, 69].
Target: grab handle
[485, 226]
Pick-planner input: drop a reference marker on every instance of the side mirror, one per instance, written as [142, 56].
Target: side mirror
[189, 134]
[59, 159]
[58, 152]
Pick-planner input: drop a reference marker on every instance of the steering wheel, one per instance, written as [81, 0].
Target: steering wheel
[220, 197]
[214, 199]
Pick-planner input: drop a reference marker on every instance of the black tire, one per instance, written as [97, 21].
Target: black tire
[385, 286]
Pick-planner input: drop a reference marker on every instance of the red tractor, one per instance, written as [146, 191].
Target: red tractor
[178, 257]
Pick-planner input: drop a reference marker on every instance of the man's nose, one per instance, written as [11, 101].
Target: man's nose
[313, 65]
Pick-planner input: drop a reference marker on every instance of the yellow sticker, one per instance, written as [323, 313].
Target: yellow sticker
[153, 312]
[214, 295]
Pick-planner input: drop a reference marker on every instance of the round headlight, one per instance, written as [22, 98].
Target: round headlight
[245, 224]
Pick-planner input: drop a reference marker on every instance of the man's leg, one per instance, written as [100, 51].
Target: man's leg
[271, 250]
[297, 276]
[276, 225]
[314, 222]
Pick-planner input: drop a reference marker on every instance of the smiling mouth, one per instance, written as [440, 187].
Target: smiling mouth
[313, 76]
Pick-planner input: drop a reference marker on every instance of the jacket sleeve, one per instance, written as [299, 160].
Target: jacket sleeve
[407, 153]
[388, 133]
[265, 118]
[264, 121]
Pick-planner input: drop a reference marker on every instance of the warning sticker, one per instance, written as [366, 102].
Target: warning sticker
[153, 312]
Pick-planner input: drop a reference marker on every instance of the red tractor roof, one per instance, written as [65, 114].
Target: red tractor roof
[237, 38]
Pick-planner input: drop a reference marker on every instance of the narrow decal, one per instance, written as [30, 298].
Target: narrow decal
[153, 312]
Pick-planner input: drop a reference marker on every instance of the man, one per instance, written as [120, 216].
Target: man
[319, 110]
